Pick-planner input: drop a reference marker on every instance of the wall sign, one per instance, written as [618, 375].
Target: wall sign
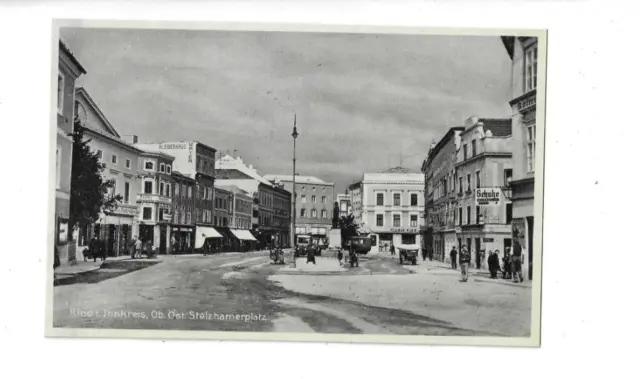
[63, 231]
[488, 196]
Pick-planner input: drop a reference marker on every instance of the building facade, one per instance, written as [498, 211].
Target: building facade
[183, 222]
[354, 191]
[114, 228]
[523, 52]
[197, 161]
[440, 196]
[241, 218]
[232, 171]
[314, 203]
[344, 205]
[282, 215]
[483, 166]
[393, 206]
[155, 200]
[222, 213]
[69, 70]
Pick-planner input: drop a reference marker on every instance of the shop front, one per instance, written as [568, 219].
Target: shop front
[244, 240]
[182, 239]
[206, 236]
[482, 240]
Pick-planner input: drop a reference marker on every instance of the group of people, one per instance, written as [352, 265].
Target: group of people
[511, 263]
[135, 247]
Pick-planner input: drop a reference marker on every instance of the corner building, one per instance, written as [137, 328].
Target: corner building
[484, 166]
[523, 52]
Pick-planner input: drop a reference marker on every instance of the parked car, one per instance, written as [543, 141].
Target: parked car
[408, 253]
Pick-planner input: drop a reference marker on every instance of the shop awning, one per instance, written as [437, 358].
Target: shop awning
[202, 233]
[244, 235]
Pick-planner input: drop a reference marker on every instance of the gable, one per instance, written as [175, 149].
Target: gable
[95, 119]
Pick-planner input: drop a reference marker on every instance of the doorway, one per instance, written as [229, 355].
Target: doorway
[163, 239]
[530, 246]
[506, 245]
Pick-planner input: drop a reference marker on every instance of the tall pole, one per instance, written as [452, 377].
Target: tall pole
[293, 194]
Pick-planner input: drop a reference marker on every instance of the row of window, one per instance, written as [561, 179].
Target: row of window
[314, 213]
[303, 198]
[114, 159]
[221, 203]
[397, 220]
[397, 199]
[303, 188]
[460, 218]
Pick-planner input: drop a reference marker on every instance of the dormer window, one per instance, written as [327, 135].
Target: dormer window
[161, 167]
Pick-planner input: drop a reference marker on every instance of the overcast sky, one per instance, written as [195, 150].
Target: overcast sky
[363, 101]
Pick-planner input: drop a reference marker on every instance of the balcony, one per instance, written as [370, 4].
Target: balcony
[152, 198]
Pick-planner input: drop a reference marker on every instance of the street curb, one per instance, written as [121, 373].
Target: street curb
[66, 279]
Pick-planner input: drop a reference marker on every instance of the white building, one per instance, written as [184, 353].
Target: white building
[393, 206]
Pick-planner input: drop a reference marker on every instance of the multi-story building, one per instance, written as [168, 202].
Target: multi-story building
[197, 161]
[114, 228]
[222, 214]
[233, 171]
[281, 215]
[483, 167]
[240, 220]
[355, 198]
[183, 223]
[155, 199]
[69, 69]
[344, 204]
[393, 206]
[314, 203]
[440, 196]
[523, 52]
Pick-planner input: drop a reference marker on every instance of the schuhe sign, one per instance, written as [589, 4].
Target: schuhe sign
[488, 196]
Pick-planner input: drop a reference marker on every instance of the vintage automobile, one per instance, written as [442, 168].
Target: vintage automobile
[408, 253]
[360, 244]
[303, 244]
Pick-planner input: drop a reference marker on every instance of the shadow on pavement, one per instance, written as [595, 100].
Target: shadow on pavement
[108, 270]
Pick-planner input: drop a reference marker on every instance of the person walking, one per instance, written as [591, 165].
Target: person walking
[453, 254]
[138, 248]
[494, 264]
[465, 261]
[506, 264]
[424, 253]
[94, 247]
[392, 249]
[516, 262]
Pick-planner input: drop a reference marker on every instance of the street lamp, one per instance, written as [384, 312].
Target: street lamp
[293, 211]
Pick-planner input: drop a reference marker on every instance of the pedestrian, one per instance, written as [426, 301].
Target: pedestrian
[465, 261]
[311, 256]
[94, 247]
[392, 249]
[506, 264]
[483, 256]
[516, 262]
[494, 263]
[138, 250]
[430, 254]
[454, 256]
[424, 254]
[340, 256]
[132, 247]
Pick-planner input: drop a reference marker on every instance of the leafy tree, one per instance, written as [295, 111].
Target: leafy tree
[90, 193]
[336, 215]
[348, 228]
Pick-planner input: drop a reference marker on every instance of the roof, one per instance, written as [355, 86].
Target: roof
[508, 43]
[443, 141]
[182, 176]
[230, 163]
[299, 179]
[69, 53]
[151, 152]
[398, 170]
[393, 176]
[232, 188]
[500, 127]
[81, 92]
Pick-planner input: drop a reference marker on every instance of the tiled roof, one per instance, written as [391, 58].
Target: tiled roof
[500, 127]
[299, 179]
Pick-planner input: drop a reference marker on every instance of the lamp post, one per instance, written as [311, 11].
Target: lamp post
[293, 194]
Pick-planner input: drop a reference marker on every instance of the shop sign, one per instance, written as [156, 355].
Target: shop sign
[487, 239]
[167, 216]
[404, 230]
[527, 103]
[173, 146]
[488, 196]
[63, 230]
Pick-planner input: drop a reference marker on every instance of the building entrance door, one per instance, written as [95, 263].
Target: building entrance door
[163, 239]
[530, 246]
[507, 245]
[477, 248]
